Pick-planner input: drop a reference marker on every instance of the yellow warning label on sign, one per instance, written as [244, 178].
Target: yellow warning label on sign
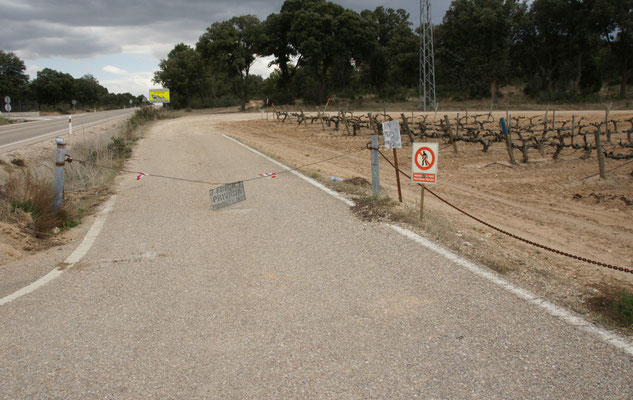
[159, 95]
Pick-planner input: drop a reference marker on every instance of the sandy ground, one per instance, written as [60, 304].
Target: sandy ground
[551, 202]
[546, 201]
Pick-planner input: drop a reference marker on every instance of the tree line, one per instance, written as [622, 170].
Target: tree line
[555, 50]
[55, 90]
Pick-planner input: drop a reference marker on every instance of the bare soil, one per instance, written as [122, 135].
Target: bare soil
[557, 203]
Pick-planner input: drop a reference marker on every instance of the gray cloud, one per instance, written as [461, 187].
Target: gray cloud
[86, 28]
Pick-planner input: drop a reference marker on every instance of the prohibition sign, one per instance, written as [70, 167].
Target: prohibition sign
[424, 158]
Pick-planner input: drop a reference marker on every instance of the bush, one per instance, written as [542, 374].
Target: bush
[120, 148]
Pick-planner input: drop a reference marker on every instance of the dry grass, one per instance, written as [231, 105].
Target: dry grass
[34, 196]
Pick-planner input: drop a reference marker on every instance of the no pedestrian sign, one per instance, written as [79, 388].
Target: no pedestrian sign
[424, 163]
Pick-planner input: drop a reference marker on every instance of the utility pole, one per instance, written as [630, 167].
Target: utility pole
[426, 86]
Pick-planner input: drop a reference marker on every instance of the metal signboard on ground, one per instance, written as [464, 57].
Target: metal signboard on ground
[227, 194]
[424, 163]
[391, 134]
[159, 95]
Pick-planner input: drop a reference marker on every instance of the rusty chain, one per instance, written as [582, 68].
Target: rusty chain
[512, 235]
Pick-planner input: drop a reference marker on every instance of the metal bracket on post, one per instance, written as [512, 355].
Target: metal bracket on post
[59, 174]
[375, 168]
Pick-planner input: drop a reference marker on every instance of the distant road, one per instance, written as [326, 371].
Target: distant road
[23, 134]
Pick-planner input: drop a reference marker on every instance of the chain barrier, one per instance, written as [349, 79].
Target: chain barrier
[562, 253]
[69, 159]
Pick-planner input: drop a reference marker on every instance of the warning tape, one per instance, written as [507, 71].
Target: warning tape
[512, 235]
[140, 175]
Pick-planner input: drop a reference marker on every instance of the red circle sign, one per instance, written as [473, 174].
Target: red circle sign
[423, 159]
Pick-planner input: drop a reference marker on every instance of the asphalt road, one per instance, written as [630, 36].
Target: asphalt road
[285, 295]
[22, 134]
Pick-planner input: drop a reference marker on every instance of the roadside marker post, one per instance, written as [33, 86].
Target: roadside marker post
[58, 188]
[70, 125]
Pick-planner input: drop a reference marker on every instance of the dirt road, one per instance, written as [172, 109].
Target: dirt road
[284, 295]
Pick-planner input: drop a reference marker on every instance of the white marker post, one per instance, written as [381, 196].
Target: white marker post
[70, 125]
[59, 174]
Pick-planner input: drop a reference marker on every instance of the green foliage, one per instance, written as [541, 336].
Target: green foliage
[13, 80]
[27, 206]
[623, 309]
[120, 148]
[229, 47]
[183, 73]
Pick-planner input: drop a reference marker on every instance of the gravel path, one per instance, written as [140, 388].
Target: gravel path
[285, 295]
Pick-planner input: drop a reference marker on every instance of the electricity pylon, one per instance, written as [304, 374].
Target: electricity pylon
[427, 59]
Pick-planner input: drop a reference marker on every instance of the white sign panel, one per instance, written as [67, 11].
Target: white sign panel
[391, 133]
[7, 99]
[227, 194]
[424, 163]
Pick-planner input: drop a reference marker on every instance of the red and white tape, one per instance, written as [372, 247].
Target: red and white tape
[269, 175]
[140, 175]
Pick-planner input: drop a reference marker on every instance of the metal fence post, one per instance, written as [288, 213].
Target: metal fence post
[59, 174]
[375, 168]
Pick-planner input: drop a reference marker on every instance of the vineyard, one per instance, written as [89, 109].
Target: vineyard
[527, 134]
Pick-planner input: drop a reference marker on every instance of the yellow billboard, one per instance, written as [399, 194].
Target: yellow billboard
[159, 95]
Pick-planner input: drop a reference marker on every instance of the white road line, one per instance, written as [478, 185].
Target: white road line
[73, 259]
[568, 317]
[64, 131]
[299, 174]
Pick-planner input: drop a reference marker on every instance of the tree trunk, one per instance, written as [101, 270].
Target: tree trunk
[323, 81]
[578, 73]
[493, 90]
[624, 79]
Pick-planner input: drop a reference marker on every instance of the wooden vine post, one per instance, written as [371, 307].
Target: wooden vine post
[450, 133]
[600, 154]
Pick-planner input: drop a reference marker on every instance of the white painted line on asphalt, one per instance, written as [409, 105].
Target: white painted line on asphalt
[64, 131]
[552, 309]
[73, 259]
[299, 174]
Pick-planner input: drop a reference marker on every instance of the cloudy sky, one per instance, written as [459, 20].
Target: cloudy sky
[121, 42]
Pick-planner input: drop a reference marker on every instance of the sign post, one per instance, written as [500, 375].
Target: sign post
[7, 105]
[393, 140]
[424, 167]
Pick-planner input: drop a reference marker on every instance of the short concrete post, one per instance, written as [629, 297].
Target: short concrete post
[59, 174]
[375, 168]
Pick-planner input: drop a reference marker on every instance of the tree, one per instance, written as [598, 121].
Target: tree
[322, 32]
[556, 43]
[474, 42]
[276, 29]
[53, 87]
[88, 91]
[183, 73]
[13, 80]
[392, 58]
[230, 47]
[614, 20]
